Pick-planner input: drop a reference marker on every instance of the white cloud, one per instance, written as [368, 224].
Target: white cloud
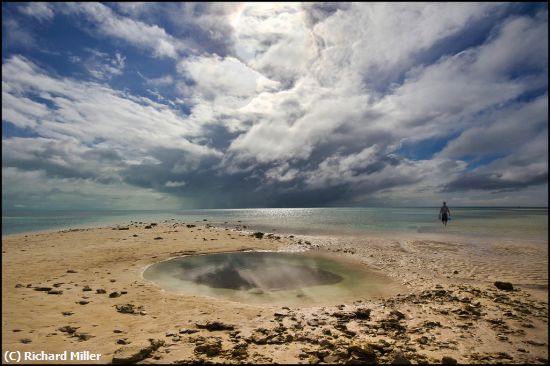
[38, 10]
[83, 117]
[102, 66]
[171, 184]
[137, 33]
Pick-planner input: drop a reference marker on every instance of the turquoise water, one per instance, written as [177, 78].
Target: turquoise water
[269, 278]
[521, 223]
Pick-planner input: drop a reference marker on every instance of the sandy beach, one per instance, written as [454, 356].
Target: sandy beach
[80, 294]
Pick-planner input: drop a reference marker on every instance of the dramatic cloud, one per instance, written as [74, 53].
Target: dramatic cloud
[276, 104]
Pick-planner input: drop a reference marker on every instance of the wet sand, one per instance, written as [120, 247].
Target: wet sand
[82, 290]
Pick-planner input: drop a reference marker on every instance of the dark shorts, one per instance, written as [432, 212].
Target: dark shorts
[444, 217]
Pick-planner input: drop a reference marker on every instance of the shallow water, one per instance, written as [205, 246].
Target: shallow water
[271, 277]
[488, 222]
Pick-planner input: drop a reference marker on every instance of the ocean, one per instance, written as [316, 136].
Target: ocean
[489, 222]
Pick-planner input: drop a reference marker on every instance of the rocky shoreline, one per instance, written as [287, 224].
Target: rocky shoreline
[91, 297]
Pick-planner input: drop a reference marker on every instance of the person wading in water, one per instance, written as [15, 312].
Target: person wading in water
[444, 213]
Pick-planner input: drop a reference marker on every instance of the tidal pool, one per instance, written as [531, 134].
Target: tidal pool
[271, 277]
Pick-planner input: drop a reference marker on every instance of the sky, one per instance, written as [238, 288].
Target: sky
[235, 105]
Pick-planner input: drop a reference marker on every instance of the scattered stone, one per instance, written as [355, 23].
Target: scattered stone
[506, 286]
[68, 329]
[332, 358]
[127, 309]
[158, 238]
[55, 292]
[188, 331]
[258, 235]
[133, 354]
[100, 291]
[400, 359]
[18, 285]
[123, 228]
[123, 341]
[86, 288]
[71, 271]
[114, 294]
[84, 337]
[25, 340]
[240, 350]
[67, 313]
[211, 347]
[446, 360]
[83, 302]
[363, 313]
[42, 289]
[214, 325]
[397, 314]
[362, 353]
[148, 227]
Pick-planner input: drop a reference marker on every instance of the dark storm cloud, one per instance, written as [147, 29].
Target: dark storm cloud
[493, 182]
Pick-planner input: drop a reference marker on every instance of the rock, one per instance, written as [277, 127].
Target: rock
[84, 336]
[362, 352]
[123, 341]
[258, 235]
[446, 360]
[332, 358]
[148, 227]
[18, 285]
[158, 238]
[114, 294]
[100, 291]
[214, 325]
[68, 329]
[67, 313]
[188, 331]
[123, 228]
[25, 340]
[133, 354]
[71, 271]
[506, 286]
[397, 314]
[363, 313]
[55, 292]
[83, 302]
[86, 288]
[400, 359]
[240, 350]
[313, 322]
[128, 309]
[42, 289]
[211, 347]
[423, 340]
[259, 338]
